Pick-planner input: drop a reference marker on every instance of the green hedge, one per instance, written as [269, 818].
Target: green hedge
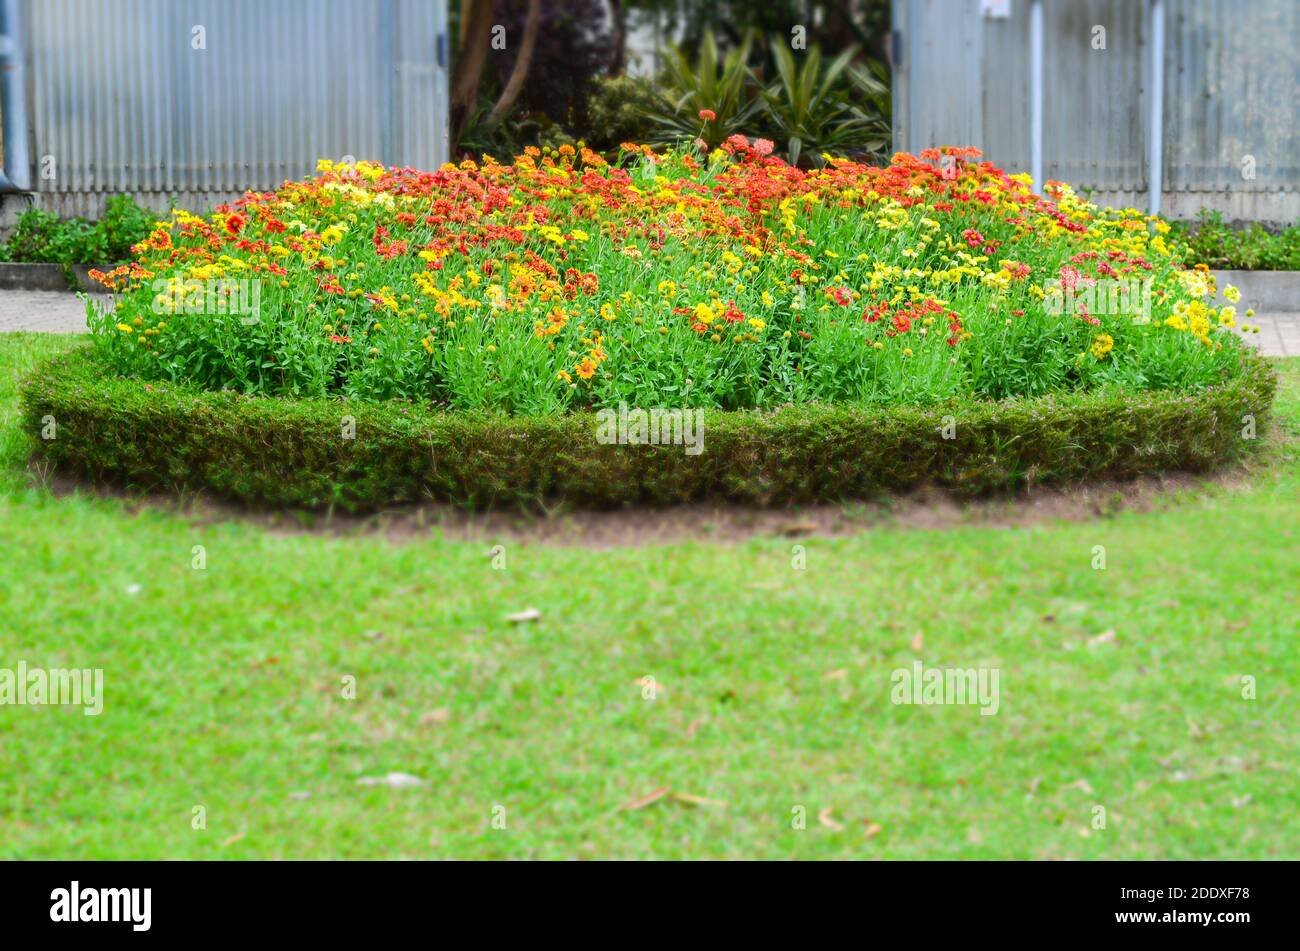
[286, 452]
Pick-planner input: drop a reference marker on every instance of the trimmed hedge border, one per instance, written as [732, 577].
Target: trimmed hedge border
[274, 451]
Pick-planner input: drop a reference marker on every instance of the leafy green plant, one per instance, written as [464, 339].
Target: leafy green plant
[124, 224]
[500, 139]
[1213, 241]
[707, 86]
[872, 86]
[42, 237]
[809, 109]
[619, 111]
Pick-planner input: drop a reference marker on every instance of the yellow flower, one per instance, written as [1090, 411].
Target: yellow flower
[704, 314]
[1231, 293]
[1102, 344]
[126, 328]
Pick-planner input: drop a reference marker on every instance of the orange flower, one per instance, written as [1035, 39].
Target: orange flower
[586, 369]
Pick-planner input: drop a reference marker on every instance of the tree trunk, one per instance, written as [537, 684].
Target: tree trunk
[475, 38]
[515, 85]
[619, 60]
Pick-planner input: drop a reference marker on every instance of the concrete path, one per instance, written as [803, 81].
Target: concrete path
[57, 312]
[47, 311]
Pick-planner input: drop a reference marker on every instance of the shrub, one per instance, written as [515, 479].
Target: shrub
[42, 237]
[618, 111]
[812, 111]
[1252, 248]
[292, 452]
[709, 98]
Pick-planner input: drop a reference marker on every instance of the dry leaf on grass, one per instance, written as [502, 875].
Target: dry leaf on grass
[698, 800]
[666, 792]
[648, 799]
[523, 617]
[435, 717]
[918, 642]
[824, 817]
[871, 829]
[837, 674]
[1105, 637]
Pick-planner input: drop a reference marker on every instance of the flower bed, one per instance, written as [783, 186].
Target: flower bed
[730, 281]
[383, 335]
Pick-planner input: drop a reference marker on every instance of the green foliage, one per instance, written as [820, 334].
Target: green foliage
[619, 111]
[810, 109]
[1214, 242]
[502, 139]
[42, 237]
[124, 224]
[293, 452]
[721, 85]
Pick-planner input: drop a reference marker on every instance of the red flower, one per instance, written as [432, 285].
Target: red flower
[337, 339]
[235, 223]
[708, 115]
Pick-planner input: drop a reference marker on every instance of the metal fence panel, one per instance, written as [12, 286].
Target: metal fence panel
[1232, 83]
[1231, 77]
[218, 96]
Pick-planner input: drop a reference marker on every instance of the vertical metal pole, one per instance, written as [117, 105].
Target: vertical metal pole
[1156, 125]
[17, 173]
[387, 79]
[1036, 93]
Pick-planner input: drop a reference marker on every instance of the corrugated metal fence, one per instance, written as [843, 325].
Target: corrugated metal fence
[207, 98]
[1231, 84]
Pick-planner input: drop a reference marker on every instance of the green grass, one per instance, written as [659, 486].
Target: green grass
[223, 686]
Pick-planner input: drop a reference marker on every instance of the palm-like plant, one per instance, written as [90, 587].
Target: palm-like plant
[810, 108]
[707, 85]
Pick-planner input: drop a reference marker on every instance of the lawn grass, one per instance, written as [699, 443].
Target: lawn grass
[224, 686]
